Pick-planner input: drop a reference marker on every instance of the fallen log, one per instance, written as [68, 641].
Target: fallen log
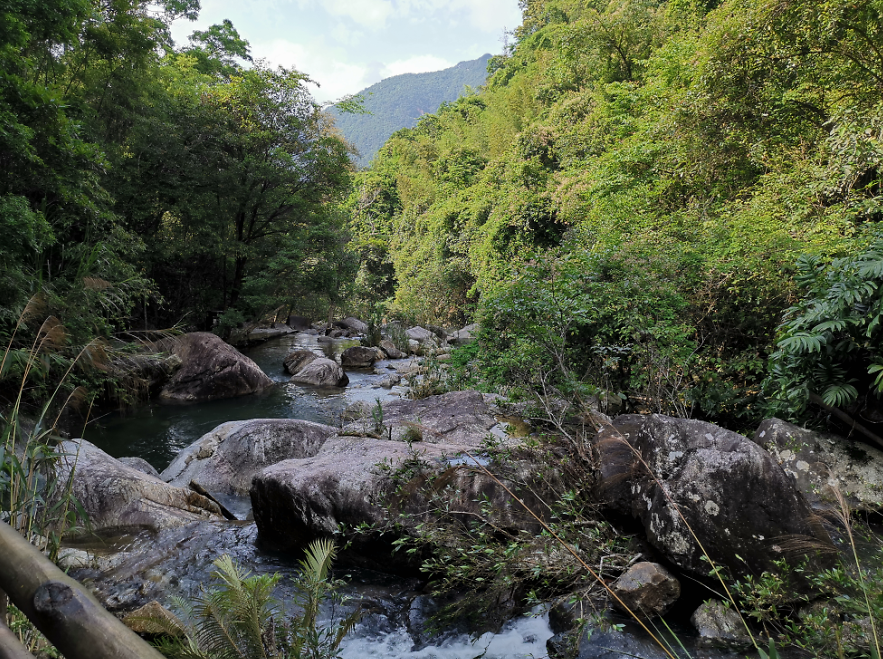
[72, 619]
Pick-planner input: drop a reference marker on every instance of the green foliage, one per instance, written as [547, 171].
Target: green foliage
[830, 341]
[399, 101]
[241, 618]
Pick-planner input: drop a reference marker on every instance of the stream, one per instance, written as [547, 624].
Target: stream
[179, 561]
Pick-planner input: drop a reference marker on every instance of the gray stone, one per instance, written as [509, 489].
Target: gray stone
[391, 351]
[734, 496]
[115, 496]
[465, 335]
[420, 334]
[819, 462]
[647, 589]
[299, 323]
[211, 369]
[720, 626]
[225, 460]
[142, 465]
[297, 360]
[355, 324]
[322, 373]
[358, 357]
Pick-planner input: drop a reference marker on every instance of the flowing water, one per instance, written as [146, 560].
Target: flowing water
[179, 561]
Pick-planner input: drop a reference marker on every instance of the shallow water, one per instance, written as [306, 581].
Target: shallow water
[158, 431]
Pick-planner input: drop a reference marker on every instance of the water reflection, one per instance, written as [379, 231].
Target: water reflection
[158, 431]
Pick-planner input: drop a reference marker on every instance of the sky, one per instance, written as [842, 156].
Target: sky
[347, 45]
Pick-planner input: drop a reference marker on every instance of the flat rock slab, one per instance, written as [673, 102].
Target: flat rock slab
[115, 496]
[461, 418]
[819, 462]
[211, 369]
[735, 497]
[225, 460]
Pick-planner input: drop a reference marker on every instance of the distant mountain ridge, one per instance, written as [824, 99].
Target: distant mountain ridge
[399, 101]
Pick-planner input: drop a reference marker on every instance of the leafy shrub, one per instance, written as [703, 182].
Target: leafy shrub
[831, 341]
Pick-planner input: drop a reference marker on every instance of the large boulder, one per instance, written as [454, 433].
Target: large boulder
[299, 323]
[297, 360]
[224, 461]
[682, 477]
[321, 373]
[115, 496]
[819, 462]
[358, 357]
[465, 335]
[461, 418]
[391, 351]
[354, 324]
[210, 369]
[353, 482]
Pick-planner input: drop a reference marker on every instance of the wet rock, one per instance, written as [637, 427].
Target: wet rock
[457, 418]
[647, 589]
[358, 357]
[296, 360]
[115, 496]
[153, 619]
[211, 369]
[391, 351]
[322, 373]
[616, 645]
[225, 460]
[818, 462]
[142, 465]
[390, 381]
[355, 324]
[74, 559]
[562, 645]
[744, 509]
[720, 626]
[567, 612]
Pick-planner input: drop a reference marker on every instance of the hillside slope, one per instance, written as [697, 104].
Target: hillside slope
[398, 102]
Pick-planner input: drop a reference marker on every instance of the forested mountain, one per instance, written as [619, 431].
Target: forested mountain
[638, 196]
[399, 101]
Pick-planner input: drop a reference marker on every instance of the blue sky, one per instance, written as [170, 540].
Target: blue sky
[347, 45]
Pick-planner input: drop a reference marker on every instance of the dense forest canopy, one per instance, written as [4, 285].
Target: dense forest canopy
[631, 192]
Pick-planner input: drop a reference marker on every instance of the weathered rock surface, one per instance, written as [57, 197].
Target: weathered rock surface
[819, 462]
[297, 360]
[355, 324]
[322, 373]
[391, 351]
[225, 460]
[420, 334]
[140, 464]
[350, 482]
[720, 626]
[145, 373]
[117, 497]
[732, 493]
[152, 619]
[358, 357]
[461, 418]
[211, 369]
[464, 336]
[647, 589]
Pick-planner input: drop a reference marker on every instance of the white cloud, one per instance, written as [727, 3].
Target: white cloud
[336, 76]
[418, 64]
[370, 14]
[486, 15]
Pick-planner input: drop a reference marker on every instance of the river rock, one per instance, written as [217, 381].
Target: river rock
[461, 418]
[296, 360]
[647, 589]
[142, 465]
[322, 373]
[720, 626]
[355, 324]
[358, 357]
[738, 501]
[420, 334]
[146, 373]
[115, 496]
[818, 462]
[153, 619]
[391, 351]
[299, 323]
[354, 481]
[225, 460]
[210, 369]
[465, 335]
